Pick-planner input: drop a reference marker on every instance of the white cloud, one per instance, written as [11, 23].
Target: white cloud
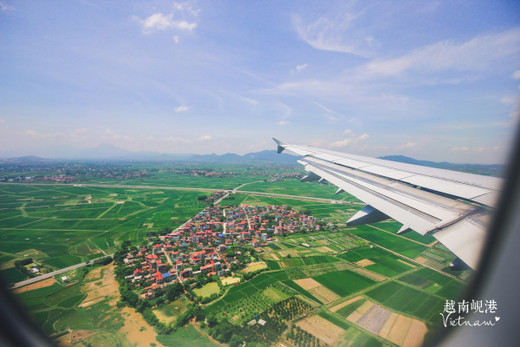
[31, 132]
[407, 145]
[186, 8]
[2, 120]
[287, 111]
[457, 149]
[183, 18]
[349, 140]
[299, 68]
[282, 123]
[336, 33]
[477, 54]
[347, 131]
[5, 7]
[182, 108]
[160, 21]
[516, 75]
[204, 138]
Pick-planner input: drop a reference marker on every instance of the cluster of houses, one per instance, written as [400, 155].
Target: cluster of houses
[199, 247]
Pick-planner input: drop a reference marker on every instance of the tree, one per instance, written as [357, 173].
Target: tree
[235, 341]
[174, 290]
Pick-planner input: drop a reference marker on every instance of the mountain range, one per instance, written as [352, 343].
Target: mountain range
[111, 153]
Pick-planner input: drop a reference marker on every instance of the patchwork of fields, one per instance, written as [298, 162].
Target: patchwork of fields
[357, 281]
[61, 226]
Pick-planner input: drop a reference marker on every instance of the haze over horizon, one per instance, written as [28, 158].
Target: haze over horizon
[435, 81]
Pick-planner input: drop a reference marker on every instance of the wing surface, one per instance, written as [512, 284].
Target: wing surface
[453, 206]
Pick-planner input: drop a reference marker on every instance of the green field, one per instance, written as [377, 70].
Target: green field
[11, 275]
[296, 187]
[187, 336]
[395, 243]
[386, 263]
[71, 224]
[207, 289]
[434, 282]
[411, 301]
[344, 282]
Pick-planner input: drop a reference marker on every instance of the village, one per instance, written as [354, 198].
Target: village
[216, 243]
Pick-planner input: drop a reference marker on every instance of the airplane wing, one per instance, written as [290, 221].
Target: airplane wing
[453, 206]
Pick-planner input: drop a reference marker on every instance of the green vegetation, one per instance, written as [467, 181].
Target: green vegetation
[344, 282]
[434, 282]
[386, 263]
[188, 336]
[68, 224]
[207, 290]
[393, 242]
[60, 225]
[405, 299]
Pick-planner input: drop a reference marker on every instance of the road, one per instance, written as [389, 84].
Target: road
[54, 273]
[228, 191]
[274, 195]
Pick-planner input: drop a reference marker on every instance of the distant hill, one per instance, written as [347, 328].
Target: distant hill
[267, 156]
[479, 169]
[29, 159]
[111, 153]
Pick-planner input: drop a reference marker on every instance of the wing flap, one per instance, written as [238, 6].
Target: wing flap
[391, 188]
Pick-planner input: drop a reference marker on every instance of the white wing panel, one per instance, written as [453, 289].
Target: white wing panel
[351, 163]
[398, 212]
[387, 172]
[458, 189]
[466, 239]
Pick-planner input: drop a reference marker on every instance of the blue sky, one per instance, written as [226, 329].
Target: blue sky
[435, 80]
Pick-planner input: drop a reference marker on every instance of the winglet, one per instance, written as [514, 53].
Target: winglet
[280, 145]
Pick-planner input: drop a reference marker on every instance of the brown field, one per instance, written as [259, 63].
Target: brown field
[274, 256]
[307, 283]
[365, 307]
[325, 249]
[400, 330]
[364, 262]
[255, 266]
[324, 242]
[321, 328]
[416, 334]
[388, 325]
[96, 291]
[102, 285]
[41, 284]
[354, 317]
[324, 294]
[286, 252]
[136, 330]
[230, 280]
[345, 303]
